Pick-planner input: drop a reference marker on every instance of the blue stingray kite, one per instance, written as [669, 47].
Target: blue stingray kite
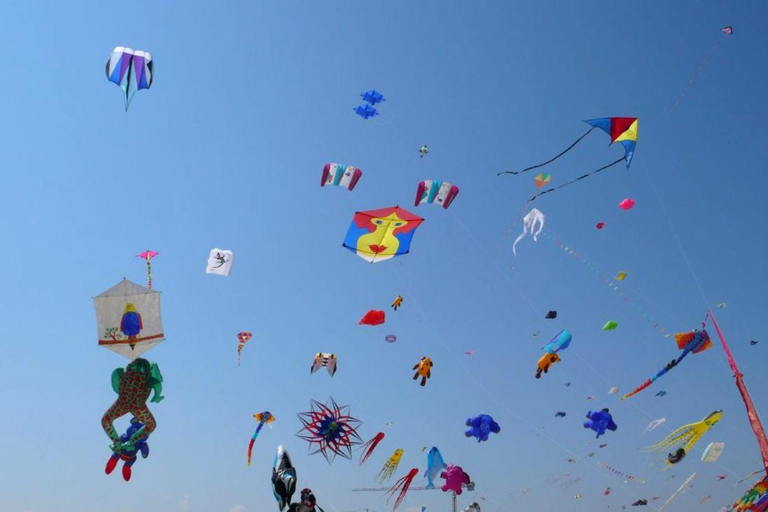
[621, 129]
[131, 70]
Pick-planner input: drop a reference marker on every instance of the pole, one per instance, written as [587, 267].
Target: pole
[453, 499]
[754, 419]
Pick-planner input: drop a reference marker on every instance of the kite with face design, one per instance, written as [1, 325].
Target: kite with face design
[378, 235]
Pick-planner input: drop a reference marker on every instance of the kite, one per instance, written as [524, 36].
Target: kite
[627, 204]
[753, 342]
[423, 368]
[678, 491]
[640, 502]
[470, 352]
[559, 414]
[694, 341]
[473, 507]
[220, 262]
[556, 344]
[560, 342]
[600, 225]
[655, 423]
[339, 175]
[378, 235]
[242, 338]
[545, 362]
[308, 502]
[705, 499]
[529, 226]
[133, 386]
[600, 422]
[550, 315]
[610, 325]
[131, 70]
[685, 437]
[618, 472]
[481, 427]
[423, 151]
[436, 191]
[372, 317]
[401, 485]
[722, 305]
[661, 393]
[621, 129]
[390, 338]
[621, 276]
[373, 97]
[613, 390]
[283, 478]
[542, 179]
[390, 466]
[128, 317]
[148, 255]
[397, 302]
[369, 446]
[263, 418]
[324, 360]
[366, 111]
[577, 496]
[607, 491]
[435, 465]
[129, 456]
[330, 428]
[454, 477]
[755, 499]
[712, 452]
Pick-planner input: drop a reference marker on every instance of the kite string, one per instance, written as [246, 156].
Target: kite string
[551, 159]
[697, 72]
[576, 179]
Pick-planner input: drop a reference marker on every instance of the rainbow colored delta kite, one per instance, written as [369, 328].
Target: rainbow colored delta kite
[621, 129]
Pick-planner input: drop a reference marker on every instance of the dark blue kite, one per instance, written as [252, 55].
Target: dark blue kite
[366, 111]
[373, 97]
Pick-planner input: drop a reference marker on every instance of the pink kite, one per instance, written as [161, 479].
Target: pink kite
[600, 225]
[627, 204]
[454, 477]
[470, 352]
[372, 317]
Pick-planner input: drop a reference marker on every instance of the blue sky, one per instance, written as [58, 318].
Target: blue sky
[250, 100]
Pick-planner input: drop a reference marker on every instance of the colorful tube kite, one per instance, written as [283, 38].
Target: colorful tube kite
[693, 341]
[621, 129]
[263, 418]
[340, 175]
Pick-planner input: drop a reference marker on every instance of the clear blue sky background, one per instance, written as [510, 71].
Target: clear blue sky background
[226, 150]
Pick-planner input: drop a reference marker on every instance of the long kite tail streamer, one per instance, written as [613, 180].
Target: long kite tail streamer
[678, 491]
[551, 159]
[253, 440]
[622, 159]
[754, 419]
[148, 255]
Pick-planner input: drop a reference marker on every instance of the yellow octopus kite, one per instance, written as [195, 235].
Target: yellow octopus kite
[390, 466]
[685, 437]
